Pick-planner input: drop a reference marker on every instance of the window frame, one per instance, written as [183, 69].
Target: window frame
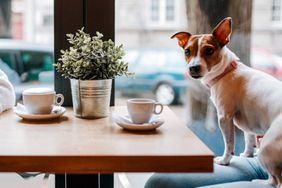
[70, 15]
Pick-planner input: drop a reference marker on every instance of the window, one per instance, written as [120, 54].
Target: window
[155, 10]
[26, 42]
[162, 11]
[160, 61]
[35, 63]
[276, 10]
[170, 10]
[6, 57]
[47, 20]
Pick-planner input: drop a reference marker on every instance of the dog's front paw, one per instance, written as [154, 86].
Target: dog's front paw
[223, 160]
[247, 154]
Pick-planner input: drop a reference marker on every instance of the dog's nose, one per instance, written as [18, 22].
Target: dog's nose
[195, 69]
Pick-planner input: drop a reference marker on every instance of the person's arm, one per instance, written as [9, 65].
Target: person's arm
[7, 93]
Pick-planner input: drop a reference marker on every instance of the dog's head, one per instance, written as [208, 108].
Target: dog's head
[202, 52]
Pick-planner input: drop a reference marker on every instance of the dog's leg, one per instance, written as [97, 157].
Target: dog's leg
[227, 128]
[276, 174]
[250, 142]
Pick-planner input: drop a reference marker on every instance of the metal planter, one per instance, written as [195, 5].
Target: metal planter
[91, 98]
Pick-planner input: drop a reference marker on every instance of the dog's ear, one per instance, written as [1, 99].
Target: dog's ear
[182, 38]
[223, 31]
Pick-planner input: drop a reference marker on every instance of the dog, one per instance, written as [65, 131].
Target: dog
[243, 97]
[7, 93]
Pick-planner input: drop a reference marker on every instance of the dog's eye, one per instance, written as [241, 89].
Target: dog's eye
[209, 51]
[187, 52]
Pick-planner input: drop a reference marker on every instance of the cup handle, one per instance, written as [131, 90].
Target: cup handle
[61, 98]
[161, 108]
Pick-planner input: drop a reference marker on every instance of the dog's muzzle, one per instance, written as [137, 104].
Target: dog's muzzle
[195, 71]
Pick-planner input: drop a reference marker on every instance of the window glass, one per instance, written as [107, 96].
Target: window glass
[36, 62]
[6, 58]
[155, 10]
[276, 10]
[170, 10]
[26, 57]
[26, 42]
[256, 39]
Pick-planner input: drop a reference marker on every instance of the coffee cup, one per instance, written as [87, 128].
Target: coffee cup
[41, 100]
[141, 110]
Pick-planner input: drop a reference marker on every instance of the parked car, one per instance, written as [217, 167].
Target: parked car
[158, 71]
[29, 62]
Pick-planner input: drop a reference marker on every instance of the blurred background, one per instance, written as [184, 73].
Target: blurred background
[144, 28]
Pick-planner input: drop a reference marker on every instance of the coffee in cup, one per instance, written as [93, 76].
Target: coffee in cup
[141, 110]
[41, 100]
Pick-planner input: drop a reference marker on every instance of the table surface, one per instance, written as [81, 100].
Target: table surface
[74, 145]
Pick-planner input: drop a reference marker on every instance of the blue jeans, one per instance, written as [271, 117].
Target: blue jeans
[238, 174]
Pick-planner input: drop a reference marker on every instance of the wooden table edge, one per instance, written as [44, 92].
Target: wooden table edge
[101, 164]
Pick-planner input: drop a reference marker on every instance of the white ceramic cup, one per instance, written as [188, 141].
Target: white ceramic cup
[141, 110]
[41, 100]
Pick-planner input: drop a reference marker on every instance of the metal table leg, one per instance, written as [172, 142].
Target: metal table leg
[84, 181]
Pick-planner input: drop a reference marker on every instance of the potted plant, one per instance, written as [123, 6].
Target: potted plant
[91, 63]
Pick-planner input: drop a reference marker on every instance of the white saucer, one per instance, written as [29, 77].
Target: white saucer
[21, 111]
[126, 123]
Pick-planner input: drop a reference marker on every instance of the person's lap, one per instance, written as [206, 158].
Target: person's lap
[240, 171]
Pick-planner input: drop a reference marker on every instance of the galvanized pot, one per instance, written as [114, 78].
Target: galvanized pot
[91, 98]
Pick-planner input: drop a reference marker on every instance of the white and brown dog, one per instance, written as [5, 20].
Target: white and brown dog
[245, 97]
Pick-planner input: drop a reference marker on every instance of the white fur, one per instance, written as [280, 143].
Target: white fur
[227, 57]
[7, 93]
[258, 111]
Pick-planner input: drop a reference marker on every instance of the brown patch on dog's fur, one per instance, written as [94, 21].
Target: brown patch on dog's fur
[193, 46]
[208, 40]
[236, 91]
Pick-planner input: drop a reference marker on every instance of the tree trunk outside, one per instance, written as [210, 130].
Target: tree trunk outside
[203, 16]
[5, 18]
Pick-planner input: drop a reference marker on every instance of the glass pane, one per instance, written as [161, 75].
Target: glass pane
[26, 43]
[170, 10]
[155, 10]
[276, 10]
[256, 39]
[26, 56]
[35, 63]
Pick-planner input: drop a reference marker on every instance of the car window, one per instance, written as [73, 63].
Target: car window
[6, 58]
[36, 62]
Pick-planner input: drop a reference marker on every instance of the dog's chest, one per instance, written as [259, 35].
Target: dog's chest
[236, 98]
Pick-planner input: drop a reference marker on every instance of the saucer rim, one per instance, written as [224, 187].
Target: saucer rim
[138, 127]
[52, 115]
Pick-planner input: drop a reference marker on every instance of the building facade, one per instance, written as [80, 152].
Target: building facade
[147, 23]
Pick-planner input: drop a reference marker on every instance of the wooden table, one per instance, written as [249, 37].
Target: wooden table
[80, 146]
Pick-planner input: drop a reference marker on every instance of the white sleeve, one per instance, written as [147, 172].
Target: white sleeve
[7, 93]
